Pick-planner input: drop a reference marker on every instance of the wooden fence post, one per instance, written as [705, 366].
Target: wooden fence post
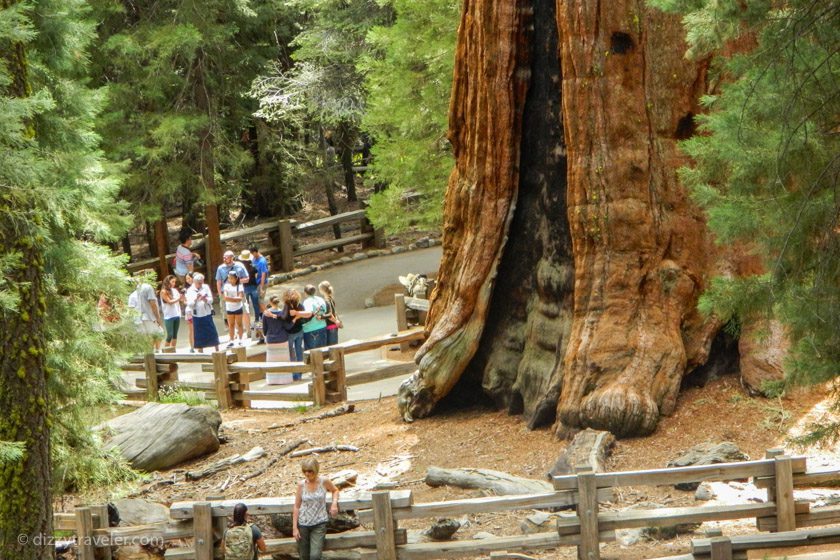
[383, 526]
[587, 511]
[340, 373]
[785, 505]
[286, 246]
[721, 548]
[101, 522]
[319, 387]
[219, 528]
[203, 530]
[150, 367]
[222, 380]
[84, 534]
[771, 483]
[402, 319]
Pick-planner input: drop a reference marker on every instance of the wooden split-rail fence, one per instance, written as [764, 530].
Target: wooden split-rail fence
[285, 245]
[791, 521]
[233, 372]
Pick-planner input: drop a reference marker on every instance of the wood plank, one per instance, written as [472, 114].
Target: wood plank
[270, 367]
[100, 522]
[332, 244]
[383, 523]
[785, 512]
[304, 227]
[319, 386]
[486, 504]
[184, 358]
[84, 534]
[150, 367]
[221, 378]
[284, 504]
[417, 304]
[271, 396]
[721, 548]
[203, 528]
[767, 540]
[662, 517]
[588, 515]
[340, 373]
[811, 479]
[472, 547]
[339, 541]
[353, 346]
[677, 475]
[257, 229]
[387, 372]
[142, 534]
[828, 515]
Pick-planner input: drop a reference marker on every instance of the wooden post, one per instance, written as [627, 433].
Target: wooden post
[150, 366]
[587, 511]
[402, 319]
[319, 387]
[100, 521]
[203, 530]
[240, 354]
[84, 534]
[222, 380]
[287, 250]
[162, 244]
[785, 505]
[771, 484]
[340, 373]
[219, 528]
[721, 548]
[383, 526]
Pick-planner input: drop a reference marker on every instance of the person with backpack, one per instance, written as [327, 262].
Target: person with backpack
[242, 540]
[309, 516]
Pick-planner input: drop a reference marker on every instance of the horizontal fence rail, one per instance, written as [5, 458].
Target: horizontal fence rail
[197, 520]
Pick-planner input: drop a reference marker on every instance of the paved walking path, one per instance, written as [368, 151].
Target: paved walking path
[353, 283]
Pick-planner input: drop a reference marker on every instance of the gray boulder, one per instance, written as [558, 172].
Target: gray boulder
[160, 436]
[443, 529]
[135, 511]
[707, 454]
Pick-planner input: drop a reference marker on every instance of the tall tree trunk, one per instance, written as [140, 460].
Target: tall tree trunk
[162, 245]
[568, 285]
[206, 162]
[25, 485]
[126, 245]
[345, 145]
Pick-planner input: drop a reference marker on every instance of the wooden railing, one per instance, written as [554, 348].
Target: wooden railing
[233, 373]
[283, 234]
[205, 521]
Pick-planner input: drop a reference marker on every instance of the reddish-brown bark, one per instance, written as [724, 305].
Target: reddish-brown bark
[603, 321]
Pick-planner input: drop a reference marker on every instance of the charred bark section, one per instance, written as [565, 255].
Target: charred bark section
[519, 358]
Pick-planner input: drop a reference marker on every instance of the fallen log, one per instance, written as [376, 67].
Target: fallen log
[343, 409]
[344, 479]
[225, 464]
[589, 449]
[285, 450]
[325, 449]
[485, 479]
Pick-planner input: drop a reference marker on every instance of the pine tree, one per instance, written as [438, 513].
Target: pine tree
[768, 166]
[57, 200]
[408, 80]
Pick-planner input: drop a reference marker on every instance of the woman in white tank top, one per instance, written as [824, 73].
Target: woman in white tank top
[309, 516]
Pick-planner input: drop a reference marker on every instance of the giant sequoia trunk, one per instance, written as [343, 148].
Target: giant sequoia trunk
[572, 257]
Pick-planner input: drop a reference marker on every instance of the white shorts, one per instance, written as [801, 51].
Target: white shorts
[149, 328]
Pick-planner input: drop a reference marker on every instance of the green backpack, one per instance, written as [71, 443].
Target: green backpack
[239, 543]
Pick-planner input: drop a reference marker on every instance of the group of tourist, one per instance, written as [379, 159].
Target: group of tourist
[301, 323]
[309, 519]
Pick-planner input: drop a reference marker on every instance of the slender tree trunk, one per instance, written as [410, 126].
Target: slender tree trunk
[25, 486]
[149, 232]
[162, 245]
[346, 142]
[213, 247]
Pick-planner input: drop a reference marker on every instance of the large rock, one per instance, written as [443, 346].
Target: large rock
[589, 448]
[160, 436]
[707, 454]
[763, 346]
[134, 511]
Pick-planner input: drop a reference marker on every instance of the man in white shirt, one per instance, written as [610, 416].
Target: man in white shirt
[144, 300]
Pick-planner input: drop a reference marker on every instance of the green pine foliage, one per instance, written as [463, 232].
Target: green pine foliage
[767, 165]
[408, 79]
[158, 61]
[61, 189]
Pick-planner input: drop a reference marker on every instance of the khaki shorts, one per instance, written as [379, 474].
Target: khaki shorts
[149, 328]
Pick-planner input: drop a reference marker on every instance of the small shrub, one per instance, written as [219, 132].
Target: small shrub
[773, 389]
[175, 394]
